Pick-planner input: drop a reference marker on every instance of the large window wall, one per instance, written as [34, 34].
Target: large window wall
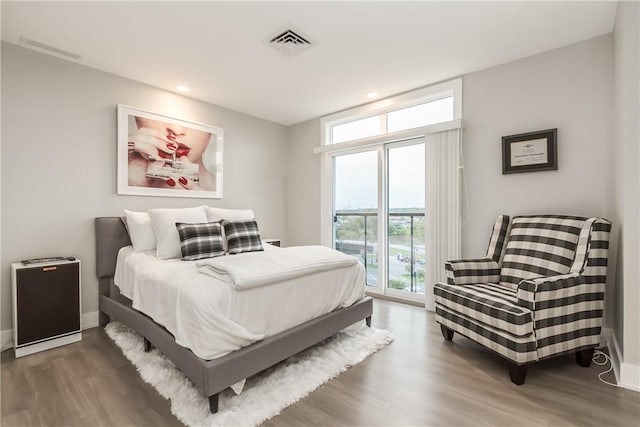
[375, 185]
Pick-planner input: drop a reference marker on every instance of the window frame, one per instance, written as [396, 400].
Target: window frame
[450, 88]
[378, 142]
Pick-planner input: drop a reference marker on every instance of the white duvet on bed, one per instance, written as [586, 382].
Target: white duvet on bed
[213, 318]
[263, 268]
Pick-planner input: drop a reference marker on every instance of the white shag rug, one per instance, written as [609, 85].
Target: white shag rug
[265, 394]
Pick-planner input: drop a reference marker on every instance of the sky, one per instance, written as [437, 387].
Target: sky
[356, 182]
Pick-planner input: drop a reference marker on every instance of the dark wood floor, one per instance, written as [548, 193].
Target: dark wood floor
[418, 380]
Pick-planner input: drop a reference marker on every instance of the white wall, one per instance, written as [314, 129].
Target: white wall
[59, 161]
[625, 208]
[568, 89]
[303, 196]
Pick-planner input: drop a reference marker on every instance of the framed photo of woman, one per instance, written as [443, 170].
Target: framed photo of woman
[163, 156]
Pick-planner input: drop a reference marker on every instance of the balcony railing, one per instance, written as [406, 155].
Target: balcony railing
[356, 233]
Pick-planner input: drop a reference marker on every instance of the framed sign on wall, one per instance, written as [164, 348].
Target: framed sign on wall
[163, 156]
[530, 152]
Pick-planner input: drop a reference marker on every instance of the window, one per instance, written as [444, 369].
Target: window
[424, 107]
[421, 115]
[405, 217]
[356, 129]
[382, 167]
[395, 259]
[355, 219]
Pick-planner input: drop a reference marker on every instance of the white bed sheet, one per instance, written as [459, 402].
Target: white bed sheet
[212, 318]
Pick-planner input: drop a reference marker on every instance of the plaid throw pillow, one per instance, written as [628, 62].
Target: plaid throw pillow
[242, 236]
[198, 241]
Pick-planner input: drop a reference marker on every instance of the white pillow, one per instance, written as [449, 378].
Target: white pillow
[218, 214]
[164, 225]
[143, 238]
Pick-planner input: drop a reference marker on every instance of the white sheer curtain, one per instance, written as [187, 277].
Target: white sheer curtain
[443, 223]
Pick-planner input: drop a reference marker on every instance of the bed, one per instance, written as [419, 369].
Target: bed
[214, 375]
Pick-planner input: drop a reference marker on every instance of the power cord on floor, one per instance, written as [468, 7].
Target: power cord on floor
[597, 359]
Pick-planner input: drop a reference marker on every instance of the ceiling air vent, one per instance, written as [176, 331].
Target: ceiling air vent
[290, 41]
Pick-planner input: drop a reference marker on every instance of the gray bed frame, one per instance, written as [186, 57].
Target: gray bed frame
[209, 376]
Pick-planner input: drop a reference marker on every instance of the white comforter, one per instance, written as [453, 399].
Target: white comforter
[253, 269]
[213, 318]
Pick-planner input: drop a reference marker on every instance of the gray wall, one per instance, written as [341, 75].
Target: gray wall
[303, 196]
[59, 154]
[59, 161]
[568, 88]
[626, 205]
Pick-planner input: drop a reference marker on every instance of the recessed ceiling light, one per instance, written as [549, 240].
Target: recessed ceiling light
[182, 88]
[372, 95]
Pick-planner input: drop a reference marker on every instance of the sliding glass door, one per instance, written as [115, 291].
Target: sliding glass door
[355, 218]
[385, 183]
[405, 218]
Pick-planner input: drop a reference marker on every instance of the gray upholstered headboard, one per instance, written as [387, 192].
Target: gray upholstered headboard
[111, 235]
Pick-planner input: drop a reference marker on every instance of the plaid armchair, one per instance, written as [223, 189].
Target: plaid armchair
[543, 297]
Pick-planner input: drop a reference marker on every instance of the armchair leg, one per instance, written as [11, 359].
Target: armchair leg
[517, 373]
[584, 357]
[446, 333]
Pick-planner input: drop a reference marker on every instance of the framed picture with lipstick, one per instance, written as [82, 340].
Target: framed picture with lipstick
[163, 156]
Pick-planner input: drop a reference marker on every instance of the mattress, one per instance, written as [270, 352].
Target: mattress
[212, 318]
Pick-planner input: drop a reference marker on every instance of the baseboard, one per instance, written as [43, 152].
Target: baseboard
[614, 351]
[88, 321]
[627, 374]
[394, 299]
[6, 339]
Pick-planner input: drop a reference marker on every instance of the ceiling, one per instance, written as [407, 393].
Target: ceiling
[220, 49]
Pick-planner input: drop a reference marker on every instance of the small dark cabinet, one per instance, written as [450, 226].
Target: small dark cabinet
[46, 305]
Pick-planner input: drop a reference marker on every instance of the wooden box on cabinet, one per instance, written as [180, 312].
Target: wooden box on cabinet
[46, 305]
